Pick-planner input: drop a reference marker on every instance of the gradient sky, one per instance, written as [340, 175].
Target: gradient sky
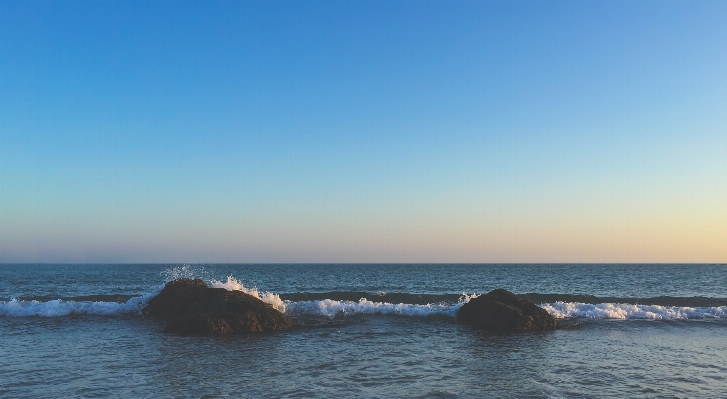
[363, 131]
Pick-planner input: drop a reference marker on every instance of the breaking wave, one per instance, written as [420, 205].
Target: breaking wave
[379, 296]
[59, 307]
[692, 301]
[233, 284]
[332, 308]
[624, 311]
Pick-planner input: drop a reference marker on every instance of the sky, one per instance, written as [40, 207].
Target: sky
[363, 131]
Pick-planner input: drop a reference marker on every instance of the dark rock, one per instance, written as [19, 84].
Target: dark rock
[191, 307]
[501, 310]
[199, 324]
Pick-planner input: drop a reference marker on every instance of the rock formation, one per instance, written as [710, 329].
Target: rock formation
[192, 307]
[501, 310]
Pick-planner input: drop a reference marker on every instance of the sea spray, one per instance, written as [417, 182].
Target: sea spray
[185, 271]
[233, 284]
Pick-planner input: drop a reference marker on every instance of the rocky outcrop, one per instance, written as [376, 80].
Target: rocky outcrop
[193, 308]
[501, 310]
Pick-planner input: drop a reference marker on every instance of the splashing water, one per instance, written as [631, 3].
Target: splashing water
[233, 284]
[186, 271]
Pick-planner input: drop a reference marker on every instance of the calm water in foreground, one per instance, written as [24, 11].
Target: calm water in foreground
[632, 331]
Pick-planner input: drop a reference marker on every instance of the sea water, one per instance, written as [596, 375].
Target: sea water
[370, 331]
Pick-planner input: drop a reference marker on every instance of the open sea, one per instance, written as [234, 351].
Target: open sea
[369, 331]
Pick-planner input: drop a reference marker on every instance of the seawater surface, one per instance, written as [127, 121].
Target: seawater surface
[368, 331]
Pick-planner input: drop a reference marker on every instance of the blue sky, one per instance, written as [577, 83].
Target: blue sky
[363, 131]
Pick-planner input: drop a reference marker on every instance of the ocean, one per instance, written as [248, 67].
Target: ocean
[369, 331]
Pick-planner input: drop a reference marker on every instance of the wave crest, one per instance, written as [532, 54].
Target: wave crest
[332, 308]
[233, 284]
[624, 311]
[59, 307]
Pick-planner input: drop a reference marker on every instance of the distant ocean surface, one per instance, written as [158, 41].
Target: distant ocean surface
[368, 331]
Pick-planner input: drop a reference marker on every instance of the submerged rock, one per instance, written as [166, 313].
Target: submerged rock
[192, 307]
[501, 310]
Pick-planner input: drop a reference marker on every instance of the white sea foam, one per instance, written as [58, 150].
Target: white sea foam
[60, 307]
[628, 311]
[233, 284]
[331, 308]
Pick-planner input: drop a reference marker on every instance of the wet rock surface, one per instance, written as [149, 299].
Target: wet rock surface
[191, 307]
[501, 310]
